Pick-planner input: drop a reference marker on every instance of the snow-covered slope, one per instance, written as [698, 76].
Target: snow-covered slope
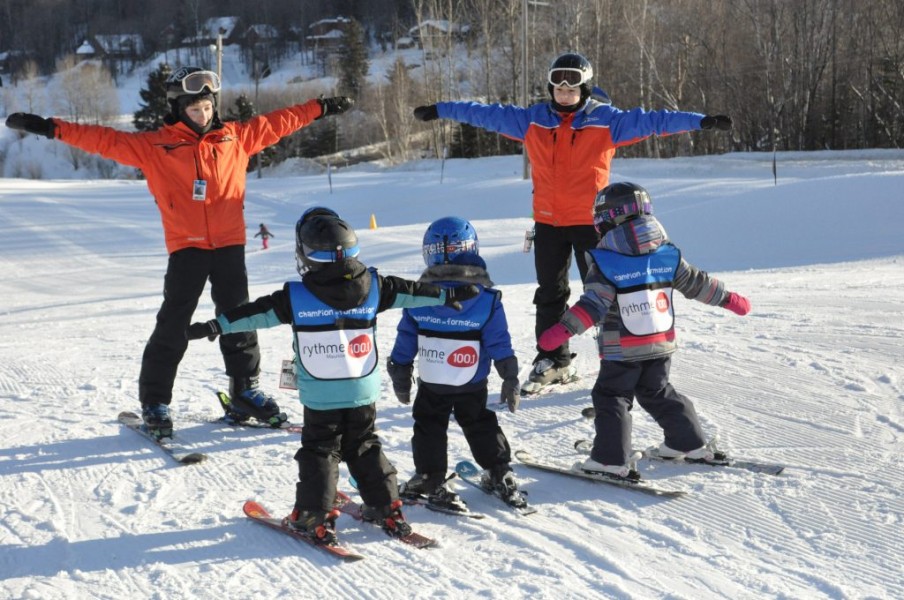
[812, 378]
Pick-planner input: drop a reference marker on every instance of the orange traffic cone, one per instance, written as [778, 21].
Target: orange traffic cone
[373, 221]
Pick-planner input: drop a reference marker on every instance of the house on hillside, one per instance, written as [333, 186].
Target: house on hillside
[433, 33]
[119, 52]
[326, 35]
[260, 34]
[13, 62]
[324, 41]
[262, 44]
[231, 28]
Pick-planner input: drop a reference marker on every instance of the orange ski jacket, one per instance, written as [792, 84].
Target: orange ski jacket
[174, 159]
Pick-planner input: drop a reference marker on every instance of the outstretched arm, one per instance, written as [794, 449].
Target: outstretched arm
[121, 146]
[632, 126]
[265, 130]
[396, 292]
[511, 121]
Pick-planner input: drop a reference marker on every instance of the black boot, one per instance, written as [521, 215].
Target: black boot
[246, 397]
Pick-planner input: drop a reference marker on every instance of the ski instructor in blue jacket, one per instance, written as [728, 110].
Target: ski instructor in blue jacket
[570, 142]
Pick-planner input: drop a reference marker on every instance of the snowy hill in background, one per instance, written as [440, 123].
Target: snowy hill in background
[812, 378]
[33, 158]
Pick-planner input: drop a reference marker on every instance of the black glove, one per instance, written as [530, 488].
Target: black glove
[511, 387]
[32, 124]
[426, 113]
[722, 122]
[511, 393]
[335, 105]
[209, 329]
[402, 377]
[459, 293]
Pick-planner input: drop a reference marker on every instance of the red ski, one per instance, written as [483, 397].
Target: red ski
[348, 506]
[256, 512]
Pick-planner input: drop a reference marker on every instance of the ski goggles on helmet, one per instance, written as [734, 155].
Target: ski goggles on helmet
[568, 77]
[194, 83]
[439, 253]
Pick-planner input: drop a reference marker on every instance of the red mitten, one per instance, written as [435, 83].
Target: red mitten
[553, 337]
[737, 304]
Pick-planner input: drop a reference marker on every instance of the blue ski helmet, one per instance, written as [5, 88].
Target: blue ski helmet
[448, 238]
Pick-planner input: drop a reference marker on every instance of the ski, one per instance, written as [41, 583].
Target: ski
[639, 486]
[286, 426]
[348, 506]
[420, 500]
[652, 453]
[171, 448]
[446, 510]
[282, 423]
[469, 472]
[258, 513]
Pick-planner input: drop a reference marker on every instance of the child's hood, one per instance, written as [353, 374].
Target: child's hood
[642, 235]
[342, 285]
[453, 275]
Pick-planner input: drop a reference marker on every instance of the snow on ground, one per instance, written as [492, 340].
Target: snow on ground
[812, 378]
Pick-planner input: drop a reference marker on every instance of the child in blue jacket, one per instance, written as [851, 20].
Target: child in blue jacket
[454, 350]
[333, 313]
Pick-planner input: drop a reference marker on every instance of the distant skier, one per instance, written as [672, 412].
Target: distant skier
[265, 235]
[453, 351]
[333, 313]
[195, 168]
[628, 290]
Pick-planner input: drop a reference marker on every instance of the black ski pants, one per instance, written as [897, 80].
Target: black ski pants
[432, 411]
[346, 434]
[187, 272]
[553, 248]
[617, 385]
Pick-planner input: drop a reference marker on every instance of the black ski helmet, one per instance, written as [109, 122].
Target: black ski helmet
[618, 203]
[321, 237]
[571, 70]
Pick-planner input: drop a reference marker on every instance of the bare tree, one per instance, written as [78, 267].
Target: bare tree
[86, 94]
[394, 113]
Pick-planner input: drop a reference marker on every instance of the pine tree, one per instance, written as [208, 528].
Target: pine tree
[155, 107]
[353, 63]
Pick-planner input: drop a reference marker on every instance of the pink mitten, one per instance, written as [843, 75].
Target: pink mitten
[737, 304]
[554, 337]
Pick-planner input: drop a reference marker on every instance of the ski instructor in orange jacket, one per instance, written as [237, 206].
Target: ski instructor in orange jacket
[195, 169]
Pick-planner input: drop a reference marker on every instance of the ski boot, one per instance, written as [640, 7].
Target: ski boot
[500, 481]
[545, 373]
[317, 525]
[389, 517]
[708, 454]
[157, 420]
[626, 472]
[432, 487]
[247, 400]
